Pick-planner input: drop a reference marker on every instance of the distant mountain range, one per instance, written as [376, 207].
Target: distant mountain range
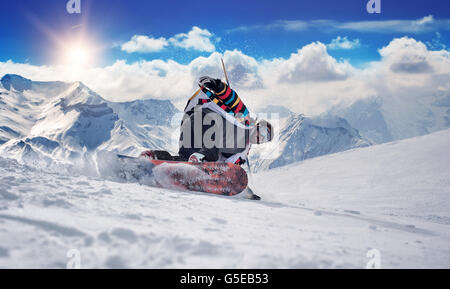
[47, 121]
[56, 120]
[303, 137]
[385, 119]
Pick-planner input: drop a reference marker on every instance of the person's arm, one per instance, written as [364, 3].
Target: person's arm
[225, 97]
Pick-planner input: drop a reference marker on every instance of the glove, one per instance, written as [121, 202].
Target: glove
[214, 85]
[196, 158]
[149, 155]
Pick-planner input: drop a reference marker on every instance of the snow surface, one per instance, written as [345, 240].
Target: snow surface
[325, 212]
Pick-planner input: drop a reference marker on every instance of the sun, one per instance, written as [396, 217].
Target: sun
[78, 55]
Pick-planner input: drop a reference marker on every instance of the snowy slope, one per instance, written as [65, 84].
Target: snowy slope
[325, 212]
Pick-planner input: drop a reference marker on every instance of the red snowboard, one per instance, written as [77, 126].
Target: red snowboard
[214, 178]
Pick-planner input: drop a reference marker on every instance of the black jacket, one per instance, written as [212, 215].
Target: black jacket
[209, 133]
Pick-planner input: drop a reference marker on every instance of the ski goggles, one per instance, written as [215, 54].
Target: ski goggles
[263, 133]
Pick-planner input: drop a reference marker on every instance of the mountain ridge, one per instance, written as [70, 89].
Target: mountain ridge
[64, 120]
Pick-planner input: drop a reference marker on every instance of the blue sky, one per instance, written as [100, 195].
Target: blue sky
[262, 29]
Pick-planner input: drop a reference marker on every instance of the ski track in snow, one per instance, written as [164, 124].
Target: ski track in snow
[326, 212]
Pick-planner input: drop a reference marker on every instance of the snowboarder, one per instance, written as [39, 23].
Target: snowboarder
[216, 127]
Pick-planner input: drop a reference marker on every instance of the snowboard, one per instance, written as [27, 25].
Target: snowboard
[214, 178]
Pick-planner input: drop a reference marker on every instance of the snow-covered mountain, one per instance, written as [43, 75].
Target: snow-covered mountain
[20, 110]
[326, 212]
[383, 119]
[46, 121]
[281, 111]
[307, 137]
[366, 115]
[55, 120]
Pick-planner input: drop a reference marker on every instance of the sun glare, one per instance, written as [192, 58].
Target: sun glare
[78, 56]
[78, 53]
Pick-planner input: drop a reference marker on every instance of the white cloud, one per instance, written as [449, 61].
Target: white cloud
[197, 39]
[144, 44]
[309, 81]
[313, 63]
[120, 81]
[242, 69]
[343, 43]
[288, 25]
[425, 20]
[406, 55]
[425, 24]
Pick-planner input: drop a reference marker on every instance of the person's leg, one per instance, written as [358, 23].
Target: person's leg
[163, 155]
[157, 155]
[185, 153]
